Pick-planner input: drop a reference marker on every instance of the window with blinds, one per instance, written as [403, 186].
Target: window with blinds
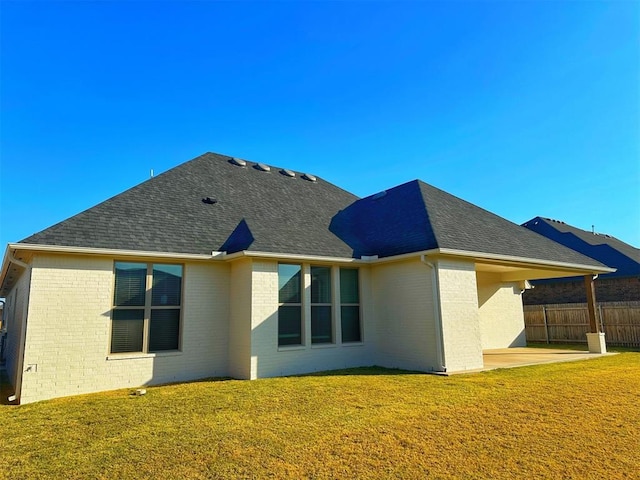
[290, 304]
[321, 318]
[146, 307]
[350, 305]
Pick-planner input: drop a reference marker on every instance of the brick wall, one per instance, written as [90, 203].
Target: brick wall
[269, 360]
[240, 320]
[459, 315]
[403, 305]
[16, 308]
[500, 310]
[68, 328]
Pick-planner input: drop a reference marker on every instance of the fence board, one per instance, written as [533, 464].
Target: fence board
[570, 323]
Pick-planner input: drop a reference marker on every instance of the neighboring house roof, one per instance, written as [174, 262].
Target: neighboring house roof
[265, 211]
[274, 212]
[604, 248]
[416, 216]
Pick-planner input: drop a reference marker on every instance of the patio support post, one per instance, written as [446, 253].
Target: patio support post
[595, 338]
[591, 304]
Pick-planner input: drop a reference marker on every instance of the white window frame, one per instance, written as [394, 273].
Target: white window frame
[147, 308]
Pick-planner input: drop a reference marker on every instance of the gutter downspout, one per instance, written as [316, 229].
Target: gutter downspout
[23, 332]
[436, 312]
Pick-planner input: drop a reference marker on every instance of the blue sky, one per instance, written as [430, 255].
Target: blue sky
[523, 108]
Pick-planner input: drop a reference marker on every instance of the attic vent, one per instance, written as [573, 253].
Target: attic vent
[238, 162]
[309, 177]
[379, 195]
[287, 173]
[262, 167]
[209, 200]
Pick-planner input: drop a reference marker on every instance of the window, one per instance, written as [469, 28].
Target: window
[321, 318]
[350, 305]
[146, 307]
[290, 308]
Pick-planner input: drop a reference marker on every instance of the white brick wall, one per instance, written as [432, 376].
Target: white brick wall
[240, 320]
[501, 314]
[404, 311]
[459, 314]
[68, 342]
[230, 324]
[14, 316]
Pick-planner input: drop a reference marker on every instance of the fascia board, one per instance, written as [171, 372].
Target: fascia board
[292, 257]
[111, 252]
[522, 261]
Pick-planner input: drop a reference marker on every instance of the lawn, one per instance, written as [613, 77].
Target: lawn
[569, 420]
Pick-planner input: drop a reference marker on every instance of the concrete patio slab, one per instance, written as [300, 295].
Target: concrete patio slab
[522, 356]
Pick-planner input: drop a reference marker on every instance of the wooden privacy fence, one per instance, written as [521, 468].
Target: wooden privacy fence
[566, 323]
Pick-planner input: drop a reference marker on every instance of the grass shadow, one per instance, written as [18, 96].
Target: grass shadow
[370, 370]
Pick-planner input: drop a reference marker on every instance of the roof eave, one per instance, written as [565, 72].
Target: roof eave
[5, 266]
[524, 261]
[65, 249]
[293, 257]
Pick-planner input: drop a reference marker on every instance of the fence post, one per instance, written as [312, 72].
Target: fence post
[546, 326]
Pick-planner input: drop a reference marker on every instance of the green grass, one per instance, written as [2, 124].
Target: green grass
[569, 420]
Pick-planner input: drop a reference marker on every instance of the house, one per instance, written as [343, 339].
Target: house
[619, 286]
[223, 267]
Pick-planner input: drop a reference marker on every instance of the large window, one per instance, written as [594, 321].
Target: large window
[350, 305]
[321, 318]
[146, 307]
[290, 308]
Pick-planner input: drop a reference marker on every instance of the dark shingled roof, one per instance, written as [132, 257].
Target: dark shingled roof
[416, 216]
[273, 212]
[266, 211]
[604, 248]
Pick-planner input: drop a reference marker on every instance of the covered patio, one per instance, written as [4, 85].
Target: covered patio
[522, 356]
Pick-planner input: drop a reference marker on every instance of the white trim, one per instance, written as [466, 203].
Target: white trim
[404, 256]
[223, 256]
[141, 355]
[291, 348]
[112, 252]
[520, 260]
[293, 257]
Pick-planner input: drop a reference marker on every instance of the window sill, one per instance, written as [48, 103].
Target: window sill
[136, 355]
[291, 348]
[324, 345]
[352, 344]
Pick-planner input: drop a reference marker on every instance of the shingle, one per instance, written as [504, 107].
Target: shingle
[166, 213]
[416, 216]
[271, 212]
[604, 248]
[461, 225]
